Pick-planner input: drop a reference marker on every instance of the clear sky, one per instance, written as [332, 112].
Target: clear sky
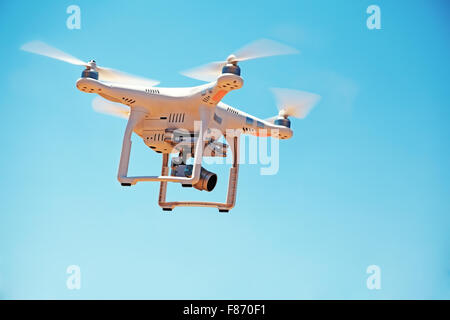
[364, 181]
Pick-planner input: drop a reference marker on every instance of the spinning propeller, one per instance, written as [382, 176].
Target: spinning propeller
[110, 108]
[293, 103]
[257, 49]
[105, 74]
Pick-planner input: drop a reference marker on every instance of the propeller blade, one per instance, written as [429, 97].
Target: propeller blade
[271, 119]
[39, 47]
[108, 74]
[263, 48]
[207, 72]
[110, 108]
[294, 103]
[257, 49]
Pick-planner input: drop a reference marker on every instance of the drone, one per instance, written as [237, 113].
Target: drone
[185, 125]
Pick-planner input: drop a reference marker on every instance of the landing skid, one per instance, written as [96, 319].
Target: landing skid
[232, 185]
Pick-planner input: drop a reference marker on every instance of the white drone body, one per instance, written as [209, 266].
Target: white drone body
[186, 121]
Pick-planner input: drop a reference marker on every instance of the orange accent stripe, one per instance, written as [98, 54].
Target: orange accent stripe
[263, 134]
[219, 95]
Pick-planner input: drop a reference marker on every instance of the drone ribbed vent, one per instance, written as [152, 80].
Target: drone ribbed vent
[176, 117]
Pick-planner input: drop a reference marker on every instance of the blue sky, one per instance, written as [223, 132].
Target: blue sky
[364, 180]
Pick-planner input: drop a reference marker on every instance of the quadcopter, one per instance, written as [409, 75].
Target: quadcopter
[186, 124]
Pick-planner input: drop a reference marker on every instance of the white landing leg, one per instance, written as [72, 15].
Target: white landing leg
[133, 120]
[135, 117]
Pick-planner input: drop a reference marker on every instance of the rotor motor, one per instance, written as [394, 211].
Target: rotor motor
[232, 68]
[90, 71]
[281, 121]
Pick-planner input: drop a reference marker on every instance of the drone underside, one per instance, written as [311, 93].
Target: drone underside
[186, 122]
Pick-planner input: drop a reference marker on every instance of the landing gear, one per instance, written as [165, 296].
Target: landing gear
[167, 209]
[126, 184]
[223, 207]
